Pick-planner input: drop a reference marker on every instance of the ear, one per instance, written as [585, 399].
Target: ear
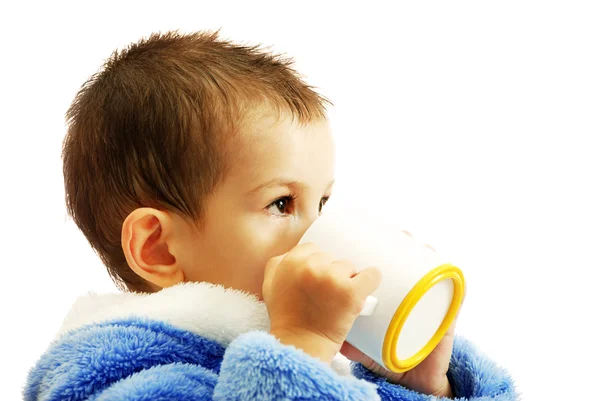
[146, 237]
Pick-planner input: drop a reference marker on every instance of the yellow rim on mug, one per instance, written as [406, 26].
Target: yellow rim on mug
[390, 342]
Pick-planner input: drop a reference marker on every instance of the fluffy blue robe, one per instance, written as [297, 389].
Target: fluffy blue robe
[204, 342]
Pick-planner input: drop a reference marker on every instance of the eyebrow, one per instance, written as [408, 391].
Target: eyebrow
[293, 185]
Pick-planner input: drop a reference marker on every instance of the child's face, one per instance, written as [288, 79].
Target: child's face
[281, 177]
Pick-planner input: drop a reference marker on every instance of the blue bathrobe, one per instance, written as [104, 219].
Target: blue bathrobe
[198, 341]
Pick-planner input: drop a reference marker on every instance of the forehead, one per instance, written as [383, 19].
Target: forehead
[283, 148]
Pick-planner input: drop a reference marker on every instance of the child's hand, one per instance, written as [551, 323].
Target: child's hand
[313, 299]
[429, 377]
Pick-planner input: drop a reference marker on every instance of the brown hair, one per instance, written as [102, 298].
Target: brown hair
[149, 129]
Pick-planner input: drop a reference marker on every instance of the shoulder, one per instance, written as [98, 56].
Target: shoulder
[94, 358]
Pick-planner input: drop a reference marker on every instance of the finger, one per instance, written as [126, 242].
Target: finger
[352, 353]
[270, 268]
[408, 233]
[452, 327]
[319, 260]
[303, 251]
[344, 268]
[366, 281]
[276, 260]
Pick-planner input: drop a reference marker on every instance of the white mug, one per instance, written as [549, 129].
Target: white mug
[419, 296]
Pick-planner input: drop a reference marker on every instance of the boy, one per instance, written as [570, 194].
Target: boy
[194, 166]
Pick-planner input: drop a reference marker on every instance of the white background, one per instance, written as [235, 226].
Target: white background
[475, 125]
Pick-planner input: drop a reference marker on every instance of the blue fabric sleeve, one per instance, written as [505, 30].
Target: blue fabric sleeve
[256, 366]
[472, 376]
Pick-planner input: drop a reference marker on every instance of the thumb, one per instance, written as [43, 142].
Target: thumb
[452, 327]
[270, 268]
[352, 353]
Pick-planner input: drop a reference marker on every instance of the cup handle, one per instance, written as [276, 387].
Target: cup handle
[370, 305]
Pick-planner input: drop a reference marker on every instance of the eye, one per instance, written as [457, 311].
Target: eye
[322, 203]
[282, 206]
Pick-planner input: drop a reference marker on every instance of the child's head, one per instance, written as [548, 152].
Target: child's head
[189, 158]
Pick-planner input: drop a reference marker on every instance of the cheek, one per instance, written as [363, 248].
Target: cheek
[243, 246]
[266, 238]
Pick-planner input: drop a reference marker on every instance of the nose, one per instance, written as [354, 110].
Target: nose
[310, 218]
[304, 224]
[292, 238]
